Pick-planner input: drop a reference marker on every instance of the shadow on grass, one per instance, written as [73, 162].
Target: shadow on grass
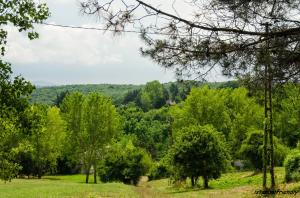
[253, 174]
[185, 190]
[52, 178]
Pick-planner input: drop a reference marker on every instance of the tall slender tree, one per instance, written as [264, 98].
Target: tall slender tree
[92, 122]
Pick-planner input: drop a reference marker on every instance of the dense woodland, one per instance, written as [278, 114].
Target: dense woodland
[50, 94]
[176, 130]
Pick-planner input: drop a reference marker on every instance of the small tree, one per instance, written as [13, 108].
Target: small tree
[199, 151]
[42, 145]
[92, 122]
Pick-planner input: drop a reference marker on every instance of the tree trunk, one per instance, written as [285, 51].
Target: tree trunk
[95, 174]
[271, 130]
[87, 174]
[205, 179]
[192, 181]
[265, 151]
[265, 146]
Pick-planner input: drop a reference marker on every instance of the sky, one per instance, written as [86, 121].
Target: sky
[75, 56]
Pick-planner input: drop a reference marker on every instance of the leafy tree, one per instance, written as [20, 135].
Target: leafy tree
[44, 142]
[287, 121]
[252, 149]
[204, 106]
[92, 123]
[8, 136]
[21, 14]
[153, 96]
[292, 166]
[151, 128]
[124, 162]
[244, 113]
[132, 96]
[60, 97]
[14, 92]
[199, 151]
[231, 112]
[174, 91]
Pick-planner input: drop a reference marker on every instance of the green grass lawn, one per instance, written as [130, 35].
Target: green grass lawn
[63, 186]
[235, 185]
[230, 185]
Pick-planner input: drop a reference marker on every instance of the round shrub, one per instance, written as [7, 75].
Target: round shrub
[292, 166]
[125, 163]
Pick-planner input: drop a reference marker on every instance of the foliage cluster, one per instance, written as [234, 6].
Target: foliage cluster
[292, 166]
[124, 162]
[199, 151]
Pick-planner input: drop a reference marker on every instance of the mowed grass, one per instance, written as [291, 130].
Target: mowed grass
[230, 185]
[72, 186]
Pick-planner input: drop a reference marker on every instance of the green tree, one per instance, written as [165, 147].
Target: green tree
[45, 138]
[287, 120]
[60, 97]
[292, 166]
[153, 96]
[204, 106]
[14, 92]
[8, 136]
[151, 129]
[92, 123]
[230, 111]
[244, 114]
[252, 149]
[21, 14]
[199, 151]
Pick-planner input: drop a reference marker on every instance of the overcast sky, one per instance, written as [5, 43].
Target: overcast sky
[72, 56]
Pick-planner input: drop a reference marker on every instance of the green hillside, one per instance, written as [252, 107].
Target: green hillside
[46, 95]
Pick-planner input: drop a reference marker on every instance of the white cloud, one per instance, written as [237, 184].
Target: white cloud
[64, 46]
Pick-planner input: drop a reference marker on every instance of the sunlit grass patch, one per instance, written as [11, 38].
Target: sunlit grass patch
[72, 186]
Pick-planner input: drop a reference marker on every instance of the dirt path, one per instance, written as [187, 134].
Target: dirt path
[144, 190]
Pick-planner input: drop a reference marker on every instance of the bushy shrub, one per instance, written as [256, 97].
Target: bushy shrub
[292, 166]
[125, 163]
[158, 171]
[252, 149]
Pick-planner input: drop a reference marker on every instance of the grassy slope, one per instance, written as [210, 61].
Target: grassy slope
[230, 185]
[63, 186]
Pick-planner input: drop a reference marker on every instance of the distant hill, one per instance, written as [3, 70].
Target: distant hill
[47, 95]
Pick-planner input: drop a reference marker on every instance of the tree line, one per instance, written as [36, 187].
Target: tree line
[156, 133]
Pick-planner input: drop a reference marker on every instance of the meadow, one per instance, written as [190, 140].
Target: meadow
[235, 184]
